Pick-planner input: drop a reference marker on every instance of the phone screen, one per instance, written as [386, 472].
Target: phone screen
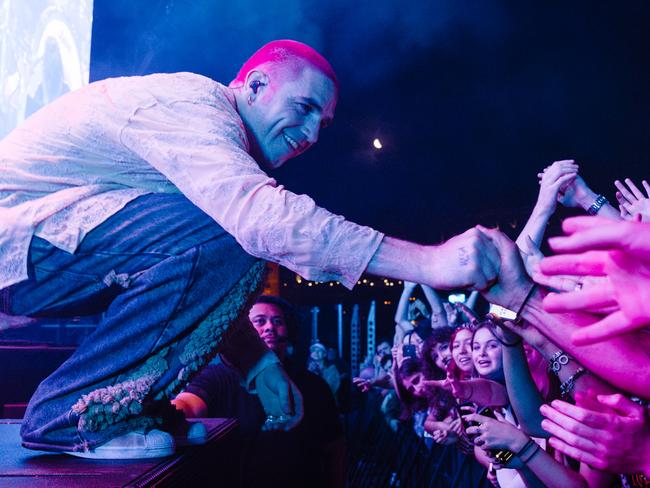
[502, 312]
[408, 351]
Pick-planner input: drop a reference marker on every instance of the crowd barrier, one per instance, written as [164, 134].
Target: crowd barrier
[380, 457]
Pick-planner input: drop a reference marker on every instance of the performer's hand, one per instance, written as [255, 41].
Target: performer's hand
[468, 260]
[14, 322]
[513, 283]
[280, 398]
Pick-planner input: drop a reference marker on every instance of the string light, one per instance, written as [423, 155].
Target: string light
[377, 144]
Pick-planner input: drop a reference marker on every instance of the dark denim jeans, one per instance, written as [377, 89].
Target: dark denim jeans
[156, 270]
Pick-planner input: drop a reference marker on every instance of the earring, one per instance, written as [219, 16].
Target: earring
[250, 100]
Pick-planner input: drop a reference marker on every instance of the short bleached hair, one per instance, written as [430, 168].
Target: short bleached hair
[286, 52]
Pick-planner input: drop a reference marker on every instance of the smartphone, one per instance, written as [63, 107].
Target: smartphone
[408, 351]
[503, 456]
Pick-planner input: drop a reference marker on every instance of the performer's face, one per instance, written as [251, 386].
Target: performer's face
[269, 322]
[288, 113]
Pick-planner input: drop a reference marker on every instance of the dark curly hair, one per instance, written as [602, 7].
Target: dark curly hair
[429, 351]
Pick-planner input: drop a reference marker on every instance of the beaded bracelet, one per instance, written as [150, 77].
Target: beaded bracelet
[567, 387]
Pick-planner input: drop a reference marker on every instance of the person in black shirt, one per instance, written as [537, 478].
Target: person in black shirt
[312, 454]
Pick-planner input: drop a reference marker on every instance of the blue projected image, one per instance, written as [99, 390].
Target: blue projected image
[44, 53]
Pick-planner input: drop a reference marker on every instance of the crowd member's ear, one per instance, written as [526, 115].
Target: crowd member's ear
[256, 82]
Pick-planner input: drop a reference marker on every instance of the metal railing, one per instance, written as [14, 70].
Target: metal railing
[380, 457]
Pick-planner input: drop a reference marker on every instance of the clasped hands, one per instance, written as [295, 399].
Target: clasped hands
[485, 260]
[613, 256]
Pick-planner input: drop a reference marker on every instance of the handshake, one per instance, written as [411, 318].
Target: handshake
[485, 260]
[602, 269]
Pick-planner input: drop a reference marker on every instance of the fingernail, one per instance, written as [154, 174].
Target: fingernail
[543, 408]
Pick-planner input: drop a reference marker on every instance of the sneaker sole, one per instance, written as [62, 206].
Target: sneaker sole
[107, 453]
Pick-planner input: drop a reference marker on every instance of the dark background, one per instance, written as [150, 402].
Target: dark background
[470, 99]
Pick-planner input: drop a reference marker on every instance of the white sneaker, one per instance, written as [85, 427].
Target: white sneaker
[197, 434]
[134, 445]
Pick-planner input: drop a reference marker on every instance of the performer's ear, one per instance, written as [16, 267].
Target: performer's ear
[255, 83]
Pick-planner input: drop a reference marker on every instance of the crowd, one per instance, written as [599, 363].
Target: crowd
[555, 391]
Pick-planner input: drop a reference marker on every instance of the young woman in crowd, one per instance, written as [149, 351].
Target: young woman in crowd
[530, 465]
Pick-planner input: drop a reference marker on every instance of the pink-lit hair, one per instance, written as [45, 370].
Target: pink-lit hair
[286, 51]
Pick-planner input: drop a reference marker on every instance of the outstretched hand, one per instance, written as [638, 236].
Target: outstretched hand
[14, 322]
[554, 182]
[468, 260]
[532, 257]
[280, 398]
[632, 201]
[619, 252]
[608, 432]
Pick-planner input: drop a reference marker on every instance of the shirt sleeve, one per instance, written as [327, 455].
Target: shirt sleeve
[216, 385]
[202, 150]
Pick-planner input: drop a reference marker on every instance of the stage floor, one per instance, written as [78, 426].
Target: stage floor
[20, 467]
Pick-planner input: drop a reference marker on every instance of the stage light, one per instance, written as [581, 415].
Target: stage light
[377, 144]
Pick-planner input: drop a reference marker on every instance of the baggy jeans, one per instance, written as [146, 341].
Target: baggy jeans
[169, 282]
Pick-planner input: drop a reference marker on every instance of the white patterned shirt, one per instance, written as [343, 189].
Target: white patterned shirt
[79, 160]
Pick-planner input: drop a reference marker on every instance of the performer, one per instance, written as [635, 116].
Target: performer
[144, 198]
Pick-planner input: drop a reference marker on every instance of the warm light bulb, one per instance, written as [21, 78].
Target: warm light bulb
[377, 144]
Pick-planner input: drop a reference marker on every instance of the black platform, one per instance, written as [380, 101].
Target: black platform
[213, 464]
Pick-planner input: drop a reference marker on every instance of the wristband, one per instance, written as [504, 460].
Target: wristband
[519, 319]
[567, 387]
[597, 205]
[527, 446]
[531, 455]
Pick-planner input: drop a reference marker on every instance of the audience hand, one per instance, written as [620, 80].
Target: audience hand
[610, 432]
[513, 284]
[633, 202]
[576, 194]
[532, 258]
[554, 181]
[495, 434]
[363, 384]
[440, 436]
[280, 398]
[619, 251]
